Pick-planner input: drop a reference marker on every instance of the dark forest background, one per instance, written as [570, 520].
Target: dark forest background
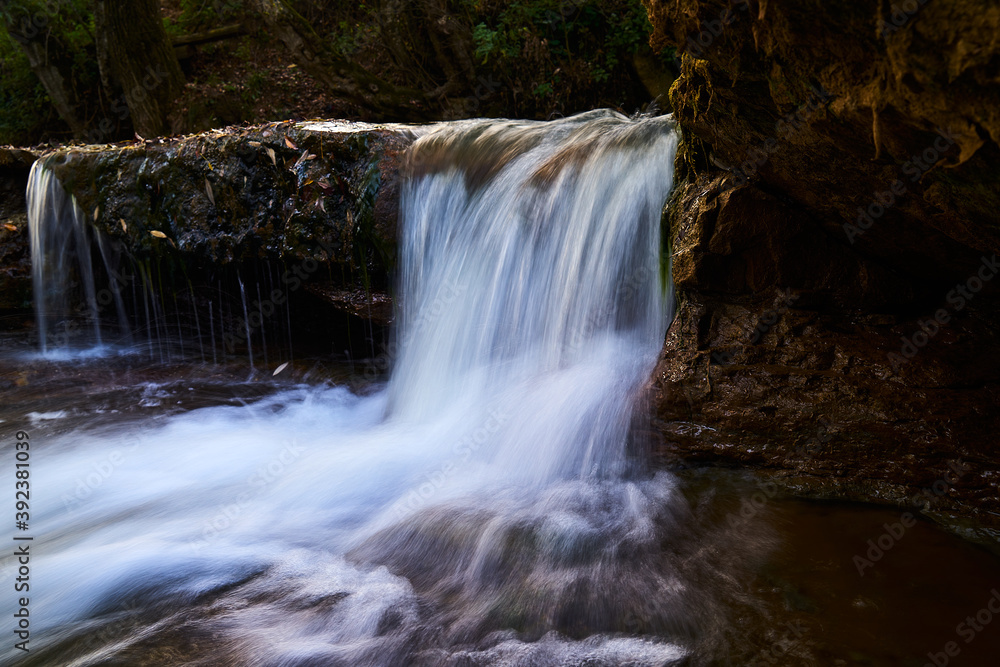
[105, 70]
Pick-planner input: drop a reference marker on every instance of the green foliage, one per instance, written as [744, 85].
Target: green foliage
[66, 28]
[609, 28]
[254, 88]
[556, 48]
[23, 103]
[485, 42]
[530, 58]
[199, 15]
[70, 21]
[350, 36]
[543, 90]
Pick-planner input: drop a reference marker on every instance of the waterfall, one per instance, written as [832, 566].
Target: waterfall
[530, 282]
[63, 245]
[482, 508]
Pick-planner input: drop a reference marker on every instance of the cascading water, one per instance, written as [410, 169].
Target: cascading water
[479, 510]
[62, 247]
[535, 288]
[88, 286]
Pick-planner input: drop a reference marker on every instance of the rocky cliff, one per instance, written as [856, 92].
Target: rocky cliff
[834, 237]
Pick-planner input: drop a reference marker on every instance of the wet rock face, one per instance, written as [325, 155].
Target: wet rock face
[834, 245]
[15, 264]
[287, 192]
[15, 257]
[810, 100]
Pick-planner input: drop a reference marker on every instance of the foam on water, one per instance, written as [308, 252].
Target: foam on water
[485, 508]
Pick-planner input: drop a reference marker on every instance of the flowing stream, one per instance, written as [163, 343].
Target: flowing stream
[487, 505]
[491, 505]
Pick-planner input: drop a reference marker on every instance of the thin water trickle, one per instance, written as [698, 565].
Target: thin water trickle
[263, 329]
[60, 254]
[197, 322]
[288, 321]
[222, 325]
[246, 323]
[149, 319]
[180, 328]
[211, 330]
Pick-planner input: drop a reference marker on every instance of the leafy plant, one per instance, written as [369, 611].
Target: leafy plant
[563, 48]
[485, 42]
[543, 90]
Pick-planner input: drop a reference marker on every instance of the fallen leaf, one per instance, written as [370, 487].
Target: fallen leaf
[96, 211]
[158, 234]
[9, 227]
[288, 142]
[279, 369]
[124, 226]
[270, 151]
[208, 190]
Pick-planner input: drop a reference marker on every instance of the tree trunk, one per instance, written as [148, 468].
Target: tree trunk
[340, 76]
[108, 81]
[453, 46]
[44, 55]
[142, 59]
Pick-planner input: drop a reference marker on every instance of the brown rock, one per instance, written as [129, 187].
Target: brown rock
[796, 115]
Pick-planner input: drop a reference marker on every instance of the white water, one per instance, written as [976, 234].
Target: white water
[475, 511]
[62, 247]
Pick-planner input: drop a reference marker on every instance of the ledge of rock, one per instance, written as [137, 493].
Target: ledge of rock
[834, 236]
[376, 307]
[287, 192]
